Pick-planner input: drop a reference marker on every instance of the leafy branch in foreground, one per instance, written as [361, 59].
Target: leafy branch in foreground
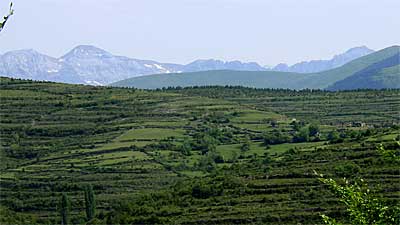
[361, 205]
[5, 18]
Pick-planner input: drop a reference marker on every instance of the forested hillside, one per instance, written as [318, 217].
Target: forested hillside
[209, 155]
[383, 74]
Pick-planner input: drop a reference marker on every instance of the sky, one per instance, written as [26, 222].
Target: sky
[179, 31]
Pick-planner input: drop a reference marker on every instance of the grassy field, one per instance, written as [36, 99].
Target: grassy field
[212, 155]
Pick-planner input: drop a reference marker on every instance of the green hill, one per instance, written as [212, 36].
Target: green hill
[267, 79]
[263, 79]
[384, 74]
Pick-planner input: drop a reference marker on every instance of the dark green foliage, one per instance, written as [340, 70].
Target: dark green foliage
[347, 169]
[334, 137]
[275, 137]
[303, 135]
[296, 125]
[314, 129]
[217, 117]
[90, 203]
[207, 163]
[8, 216]
[205, 190]
[205, 143]
[246, 145]
[65, 209]
[186, 148]
[391, 155]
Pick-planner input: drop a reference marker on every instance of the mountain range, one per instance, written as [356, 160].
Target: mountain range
[315, 66]
[376, 70]
[82, 65]
[87, 64]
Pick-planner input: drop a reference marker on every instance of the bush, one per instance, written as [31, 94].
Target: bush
[275, 137]
[303, 135]
[347, 170]
[204, 190]
[334, 137]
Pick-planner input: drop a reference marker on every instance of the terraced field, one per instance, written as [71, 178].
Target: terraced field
[212, 155]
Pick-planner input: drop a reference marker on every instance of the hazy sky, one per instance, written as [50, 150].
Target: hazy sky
[265, 31]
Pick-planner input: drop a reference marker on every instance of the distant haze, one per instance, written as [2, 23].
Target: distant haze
[180, 31]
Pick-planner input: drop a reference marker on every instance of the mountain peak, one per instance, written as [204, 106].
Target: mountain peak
[26, 54]
[351, 54]
[86, 51]
[23, 52]
[359, 50]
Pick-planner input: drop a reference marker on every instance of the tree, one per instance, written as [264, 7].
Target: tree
[235, 156]
[297, 125]
[303, 135]
[246, 145]
[90, 202]
[65, 207]
[275, 137]
[186, 148]
[5, 18]
[206, 163]
[334, 136]
[205, 143]
[314, 129]
[362, 206]
[274, 123]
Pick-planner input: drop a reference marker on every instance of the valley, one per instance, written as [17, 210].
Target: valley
[199, 112]
[209, 155]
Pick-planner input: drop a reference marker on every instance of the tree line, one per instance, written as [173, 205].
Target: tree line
[90, 206]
